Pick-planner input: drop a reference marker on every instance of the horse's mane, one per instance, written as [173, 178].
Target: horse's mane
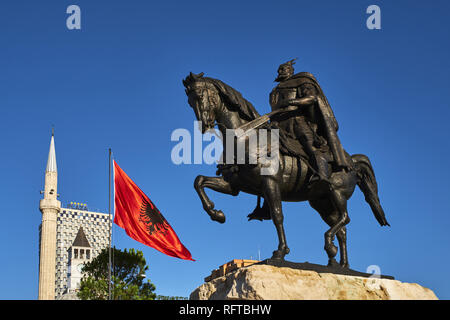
[233, 98]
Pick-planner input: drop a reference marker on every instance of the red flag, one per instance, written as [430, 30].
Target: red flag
[140, 218]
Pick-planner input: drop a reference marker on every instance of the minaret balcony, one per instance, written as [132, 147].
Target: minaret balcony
[50, 205]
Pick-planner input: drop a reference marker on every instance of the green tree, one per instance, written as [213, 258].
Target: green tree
[127, 277]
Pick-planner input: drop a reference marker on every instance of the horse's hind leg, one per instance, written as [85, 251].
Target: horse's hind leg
[342, 238]
[331, 216]
[340, 204]
[217, 184]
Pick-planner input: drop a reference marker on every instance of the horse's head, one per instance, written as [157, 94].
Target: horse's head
[203, 97]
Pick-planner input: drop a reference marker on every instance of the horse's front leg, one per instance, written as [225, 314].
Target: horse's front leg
[217, 184]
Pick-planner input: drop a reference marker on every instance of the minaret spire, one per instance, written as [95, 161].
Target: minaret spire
[50, 207]
[51, 162]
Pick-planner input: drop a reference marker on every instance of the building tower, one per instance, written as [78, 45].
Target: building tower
[50, 207]
[62, 230]
[79, 254]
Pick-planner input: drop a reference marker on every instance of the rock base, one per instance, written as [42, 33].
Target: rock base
[266, 282]
[337, 269]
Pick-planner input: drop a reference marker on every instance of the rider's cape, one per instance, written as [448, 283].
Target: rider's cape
[326, 120]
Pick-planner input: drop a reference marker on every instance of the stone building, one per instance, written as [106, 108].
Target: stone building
[229, 267]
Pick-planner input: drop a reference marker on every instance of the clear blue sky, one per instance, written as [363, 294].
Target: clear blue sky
[117, 83]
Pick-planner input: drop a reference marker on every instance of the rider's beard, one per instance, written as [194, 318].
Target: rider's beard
[282, 77]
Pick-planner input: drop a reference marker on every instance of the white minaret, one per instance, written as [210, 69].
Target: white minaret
[50, 207]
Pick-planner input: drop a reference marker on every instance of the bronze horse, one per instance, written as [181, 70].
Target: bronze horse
[216, 103]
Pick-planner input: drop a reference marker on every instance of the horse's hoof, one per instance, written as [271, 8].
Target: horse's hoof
[344, 265]
[279, 254]
[217, 215]
[333, 263]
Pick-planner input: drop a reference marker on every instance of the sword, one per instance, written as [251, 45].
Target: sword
[258, 122]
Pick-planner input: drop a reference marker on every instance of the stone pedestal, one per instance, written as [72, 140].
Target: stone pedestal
[266, 282]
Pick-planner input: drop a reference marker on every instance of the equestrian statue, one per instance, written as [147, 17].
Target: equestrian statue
[312, 164]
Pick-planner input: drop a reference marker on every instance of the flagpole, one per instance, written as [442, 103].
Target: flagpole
[110, 226]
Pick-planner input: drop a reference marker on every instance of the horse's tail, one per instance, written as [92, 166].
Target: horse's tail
[368, 185]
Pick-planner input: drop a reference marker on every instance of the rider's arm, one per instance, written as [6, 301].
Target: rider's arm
[304, 101]
[308, 94]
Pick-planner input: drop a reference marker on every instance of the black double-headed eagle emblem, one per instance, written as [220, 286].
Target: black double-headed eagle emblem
[153, 219]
